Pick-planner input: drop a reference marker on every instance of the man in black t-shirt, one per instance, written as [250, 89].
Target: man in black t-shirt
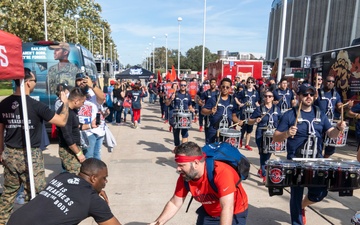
[69, 199]
[13, 144]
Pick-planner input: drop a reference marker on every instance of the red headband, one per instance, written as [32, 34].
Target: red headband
[185, 158]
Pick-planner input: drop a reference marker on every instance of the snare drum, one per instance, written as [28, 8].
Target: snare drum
[230, 136]
[344, 176]
[249, 110]
[314, 174]
[281, 173]
[269, 146]
[182, 119]
[340, 141]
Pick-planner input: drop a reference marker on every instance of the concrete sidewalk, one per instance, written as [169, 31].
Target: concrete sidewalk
[142, 179]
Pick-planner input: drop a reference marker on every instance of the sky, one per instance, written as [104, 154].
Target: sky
[233, 25]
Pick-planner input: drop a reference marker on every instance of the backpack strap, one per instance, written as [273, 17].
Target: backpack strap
[210, 173]
[186, 184]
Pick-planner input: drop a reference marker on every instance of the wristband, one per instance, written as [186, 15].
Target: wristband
[79, 153]
[80, 127]
[338, 128]
[94, 85]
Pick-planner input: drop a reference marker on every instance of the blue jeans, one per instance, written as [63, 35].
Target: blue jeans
[126, 110]
[152, 98]
[95, 143]
[206, 219]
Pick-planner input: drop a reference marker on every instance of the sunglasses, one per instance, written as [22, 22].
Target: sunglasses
[33, 80]
[268, 96]
[307, 94]
[183, 85]
[331, 81]
[319, 79]
[227, 87]
[250, 82]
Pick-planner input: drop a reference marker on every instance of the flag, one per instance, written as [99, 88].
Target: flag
[159, 78]
[173, 74]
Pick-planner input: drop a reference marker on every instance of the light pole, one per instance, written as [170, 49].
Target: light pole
[103, 51]
[150, 56]
[153, 54]
[45, 21]
[178, 73]
[203, 50]
[166, 57]
[111, 52]
[115, 56]
[76, 17]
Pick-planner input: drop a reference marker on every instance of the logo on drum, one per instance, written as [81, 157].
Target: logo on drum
[183, 121]
[276, 176]
[232, 141]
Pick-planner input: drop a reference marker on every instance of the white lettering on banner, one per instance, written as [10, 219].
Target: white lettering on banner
[136, 71]
[4, 61]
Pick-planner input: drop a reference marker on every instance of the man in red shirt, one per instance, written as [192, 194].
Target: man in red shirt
[226, 207]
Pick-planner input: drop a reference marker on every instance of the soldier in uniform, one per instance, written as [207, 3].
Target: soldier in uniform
[64, 71]
[13, 144]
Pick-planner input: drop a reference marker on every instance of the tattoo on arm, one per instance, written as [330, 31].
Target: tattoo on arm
[65, 111]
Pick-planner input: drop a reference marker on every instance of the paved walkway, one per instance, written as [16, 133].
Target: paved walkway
[142, 179]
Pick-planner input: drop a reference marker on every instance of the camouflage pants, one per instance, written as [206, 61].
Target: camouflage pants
[16, 173]
[69, 160]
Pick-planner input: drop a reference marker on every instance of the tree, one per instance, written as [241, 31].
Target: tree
[193, 58]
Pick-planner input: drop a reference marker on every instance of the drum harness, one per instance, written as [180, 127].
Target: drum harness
[249, 105]
[284, 105]
[208, 96]
[270, 128]
[224, 123]
[181, 105]
[310, 147]
[330, 112]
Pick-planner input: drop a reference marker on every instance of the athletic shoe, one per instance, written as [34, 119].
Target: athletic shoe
[201, 129]
[303, 216]
[248, 147]
[240, 143]
[162, 116]
[166, 121]
[264, 180]
[135, 124]
[170, 128]
[259, 173]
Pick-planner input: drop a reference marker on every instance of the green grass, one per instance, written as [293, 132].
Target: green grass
[5, 87]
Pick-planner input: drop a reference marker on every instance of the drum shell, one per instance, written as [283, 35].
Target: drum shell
[230, 136]
[344, 177]
[340, 141]
[281, 173]
[269, 146]
[315, 175]
[182, 119]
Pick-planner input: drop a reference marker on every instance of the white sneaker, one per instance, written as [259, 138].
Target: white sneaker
[20, 200]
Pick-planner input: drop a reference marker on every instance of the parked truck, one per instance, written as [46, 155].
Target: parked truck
[231, 66]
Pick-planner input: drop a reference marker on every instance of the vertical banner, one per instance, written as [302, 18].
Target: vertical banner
[11, 61]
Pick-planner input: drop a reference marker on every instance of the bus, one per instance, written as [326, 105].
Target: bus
[54, 63]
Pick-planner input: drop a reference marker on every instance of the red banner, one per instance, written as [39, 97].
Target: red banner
[193, 88]
[11, 61]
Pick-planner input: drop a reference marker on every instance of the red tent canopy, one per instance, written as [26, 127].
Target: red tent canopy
[11, 61]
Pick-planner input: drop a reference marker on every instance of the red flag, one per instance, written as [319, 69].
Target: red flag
[11, 61]
[173, 74]
[159, 78]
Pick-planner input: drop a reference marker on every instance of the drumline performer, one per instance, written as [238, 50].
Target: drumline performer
[170, 90]
[204, 98]
[180, 101]
[247, 100]
[267, 116]
[219, 109]
[328, 99]
[199, 100]
[284, 98]
[310, 126]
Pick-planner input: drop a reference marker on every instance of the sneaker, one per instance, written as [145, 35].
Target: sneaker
[110, 149]
[135, 124]
[264, 180]
[201, 129]
[170, 128]
[303, 216]
[166, 121]
[248, 147]
[240, 143]
[259, 173]
[162, 116]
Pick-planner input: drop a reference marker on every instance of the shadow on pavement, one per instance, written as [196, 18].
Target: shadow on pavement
[166, 162]
[261, 216]
[153, 146]
[136, 223]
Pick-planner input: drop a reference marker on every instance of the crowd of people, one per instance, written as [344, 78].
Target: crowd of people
[83, 113]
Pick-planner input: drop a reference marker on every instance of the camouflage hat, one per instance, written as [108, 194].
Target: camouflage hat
[62, 45]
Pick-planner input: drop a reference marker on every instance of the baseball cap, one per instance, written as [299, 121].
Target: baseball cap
[80, 76]
[112, 82]
[62, 87]
[305, 88]
[271, 78]
[62, 45]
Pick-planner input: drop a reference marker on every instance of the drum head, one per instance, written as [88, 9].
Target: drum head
[226, 132]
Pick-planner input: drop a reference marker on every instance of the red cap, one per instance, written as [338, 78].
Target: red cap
[112, 82]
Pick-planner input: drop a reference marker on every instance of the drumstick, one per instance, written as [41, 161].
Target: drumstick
[297, 116]
[342, 114]
[235, 124]
[344, 104]
[217, 102]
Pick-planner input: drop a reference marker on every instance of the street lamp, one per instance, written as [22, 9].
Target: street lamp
[150, 56]
[203, 50]
[166, 57]
[76, 17]
[45, 21]
[178, 73]
[115, 56]
[111, 52]
[153, 54]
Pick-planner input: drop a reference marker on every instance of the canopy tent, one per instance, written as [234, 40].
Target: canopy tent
[12, 67]
[135, 72]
